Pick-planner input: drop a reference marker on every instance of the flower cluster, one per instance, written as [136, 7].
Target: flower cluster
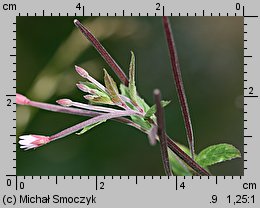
[123, 104]
[127, 103]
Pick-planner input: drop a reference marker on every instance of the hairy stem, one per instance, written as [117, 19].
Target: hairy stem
[102, 51]
[179, 84]
[161, 132]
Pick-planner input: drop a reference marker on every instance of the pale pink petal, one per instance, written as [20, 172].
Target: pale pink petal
[33, 141]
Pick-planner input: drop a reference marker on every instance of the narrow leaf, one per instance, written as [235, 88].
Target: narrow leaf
[132, 87]
[216, 154]
[152, 110]
[87, 128]
[142, 104]
[112, 88]
[124, 90]
[92, 86]
[92, 90]
[140, 101]
[98, 99]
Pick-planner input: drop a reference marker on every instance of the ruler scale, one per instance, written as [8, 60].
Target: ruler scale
[129, 191]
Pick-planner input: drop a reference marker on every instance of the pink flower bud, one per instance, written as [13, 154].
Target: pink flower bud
[83, 87]
[21, 100]
[90, 97]
[33, 141]
[81, 72]
[64, 102]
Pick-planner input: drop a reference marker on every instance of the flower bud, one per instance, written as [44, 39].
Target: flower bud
[33, 141]
[21, 100]
[64, 102]
[81, 72]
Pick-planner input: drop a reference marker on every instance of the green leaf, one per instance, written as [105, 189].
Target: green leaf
[100, 100]
[132, 87]
[142, 104]
[92, 86]
[111, 87]
[140, 121]
[152, 110]
[216, 154]
[87, 128]
[125, 91]
[179, 168]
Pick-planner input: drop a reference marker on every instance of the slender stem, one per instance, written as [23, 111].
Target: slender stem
[161, 133]
[186, 158]
[88, 122]
[179, 83]
[181, 154]
[80, 112]
[74, 111]
[102, 51]
[60, 109]
[95, 108]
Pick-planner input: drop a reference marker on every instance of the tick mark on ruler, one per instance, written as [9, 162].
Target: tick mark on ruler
[251, 16]
[251, 96]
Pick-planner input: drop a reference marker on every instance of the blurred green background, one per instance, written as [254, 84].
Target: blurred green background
[210, 50]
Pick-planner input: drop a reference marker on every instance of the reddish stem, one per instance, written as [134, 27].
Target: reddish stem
[103, 52]
[179, 83]
[88, 122]
[76, 111]
[186, 158]
[161, 132]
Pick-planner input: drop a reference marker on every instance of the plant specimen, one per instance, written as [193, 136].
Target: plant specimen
[106, 101]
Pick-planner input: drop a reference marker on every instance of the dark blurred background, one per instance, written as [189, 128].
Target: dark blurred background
[210, 50]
